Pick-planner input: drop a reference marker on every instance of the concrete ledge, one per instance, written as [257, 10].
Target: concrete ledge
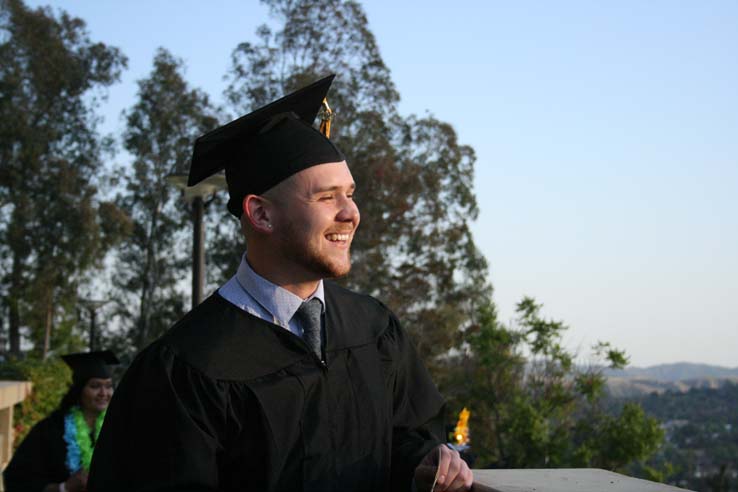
[12, 392]
[563, 480]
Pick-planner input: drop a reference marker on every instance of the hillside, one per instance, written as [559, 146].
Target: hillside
[676, 372]
[635, 387]
[679, 377]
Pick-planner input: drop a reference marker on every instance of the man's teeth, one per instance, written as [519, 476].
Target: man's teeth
[338, 237]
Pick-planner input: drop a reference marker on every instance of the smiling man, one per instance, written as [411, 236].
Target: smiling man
[282, 380]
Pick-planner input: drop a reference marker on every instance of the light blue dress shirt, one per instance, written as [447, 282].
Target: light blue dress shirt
[256, 295]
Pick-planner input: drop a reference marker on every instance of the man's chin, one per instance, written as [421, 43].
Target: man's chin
[325, 266]
[341, 273]
[336, 270]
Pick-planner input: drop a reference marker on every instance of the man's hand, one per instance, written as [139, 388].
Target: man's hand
[452, 472]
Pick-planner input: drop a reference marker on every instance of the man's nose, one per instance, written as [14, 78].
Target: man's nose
[349, 211]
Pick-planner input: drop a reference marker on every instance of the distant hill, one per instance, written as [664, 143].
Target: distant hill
[636, 387]
[675, 372]
[677, 377]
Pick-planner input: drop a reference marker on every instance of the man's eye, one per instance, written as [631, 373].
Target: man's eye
[325, 198]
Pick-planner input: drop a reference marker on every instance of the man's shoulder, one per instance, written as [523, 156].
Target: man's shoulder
[221, 341]
[352, 299]
[212, 309]
[211, 322]
[355, 318]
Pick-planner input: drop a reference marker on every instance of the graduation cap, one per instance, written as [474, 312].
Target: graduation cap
[87, 365]
[266, 146]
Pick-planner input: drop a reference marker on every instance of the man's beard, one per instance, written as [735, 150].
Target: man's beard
[302, 254]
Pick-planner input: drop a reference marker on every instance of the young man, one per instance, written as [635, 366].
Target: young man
[281, 380]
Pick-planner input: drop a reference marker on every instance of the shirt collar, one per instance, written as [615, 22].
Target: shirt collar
[281, 303]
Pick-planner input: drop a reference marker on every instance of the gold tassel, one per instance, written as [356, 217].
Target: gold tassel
[326, 115]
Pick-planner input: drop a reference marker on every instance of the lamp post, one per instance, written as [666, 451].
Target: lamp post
[196, 195]
[92, 306]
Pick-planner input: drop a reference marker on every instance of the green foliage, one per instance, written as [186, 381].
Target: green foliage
[531, 406]
[616, 441]
[161, 128]
[701, 436]
[53, 228]
[414, 249]
[655, 474]
[50, 379]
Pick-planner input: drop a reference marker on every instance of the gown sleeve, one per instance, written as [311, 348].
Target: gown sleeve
[164, 428]
[32, 467]
[417, 405]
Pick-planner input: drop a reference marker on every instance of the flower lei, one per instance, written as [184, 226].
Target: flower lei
[77, 437]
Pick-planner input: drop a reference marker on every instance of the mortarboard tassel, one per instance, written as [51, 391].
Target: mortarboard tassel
[326, 115]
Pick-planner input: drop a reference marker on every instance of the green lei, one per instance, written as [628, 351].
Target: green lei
[82, 435]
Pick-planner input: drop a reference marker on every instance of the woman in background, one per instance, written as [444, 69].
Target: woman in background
[55, 455]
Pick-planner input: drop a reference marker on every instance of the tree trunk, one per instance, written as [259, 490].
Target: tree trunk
[3, 337]
[147, 285]
[14, 327]
[93, 328]
[147, 290]
[143, 314]
[13, 308]
[47, 329]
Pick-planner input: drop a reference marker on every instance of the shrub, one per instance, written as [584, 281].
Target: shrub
[50, 378]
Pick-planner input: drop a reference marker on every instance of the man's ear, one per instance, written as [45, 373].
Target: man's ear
[258, 212]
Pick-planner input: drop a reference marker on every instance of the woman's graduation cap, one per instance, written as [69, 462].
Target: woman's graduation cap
[264, 147]
[87, 365]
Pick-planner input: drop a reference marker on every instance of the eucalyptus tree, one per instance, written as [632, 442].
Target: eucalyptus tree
[153, 260]
[53, 224]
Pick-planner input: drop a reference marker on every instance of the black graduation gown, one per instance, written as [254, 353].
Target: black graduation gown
[40, 458]
[227, 401]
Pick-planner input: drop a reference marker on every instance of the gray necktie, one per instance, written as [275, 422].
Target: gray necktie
[309, 315]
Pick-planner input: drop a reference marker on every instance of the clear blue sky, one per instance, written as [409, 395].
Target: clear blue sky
[606, 135]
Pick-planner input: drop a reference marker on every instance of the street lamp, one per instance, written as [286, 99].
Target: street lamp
[196, 195]
[92, 305]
